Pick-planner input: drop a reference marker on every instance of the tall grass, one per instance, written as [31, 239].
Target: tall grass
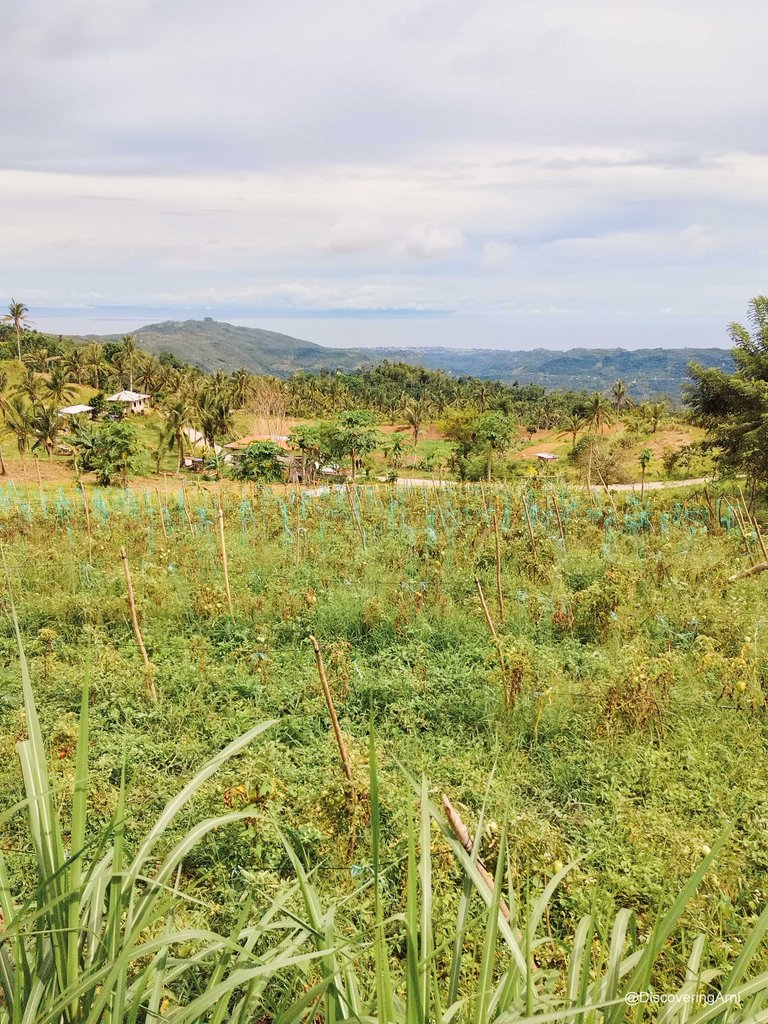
[96, 940]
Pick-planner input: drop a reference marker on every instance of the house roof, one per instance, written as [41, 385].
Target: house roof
[127, 396]
[546, 456]
[281, 440]
[74, 410]
[197, 440]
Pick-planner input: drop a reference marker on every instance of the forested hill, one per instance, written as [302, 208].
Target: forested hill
[646, 372]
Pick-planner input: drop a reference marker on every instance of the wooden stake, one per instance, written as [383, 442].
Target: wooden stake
[530, 527]
[332, 711]
[2, 464]
[559, 519]
[186, 508]
[488, 619]
[160, 508]
[753, 570]
[510, 690]
[136, 629]
[753, 522]
[740, 524]
[499, 591]
[355, 514]
[224, 560]
[87, 513]
[461, 832]
[39, 483]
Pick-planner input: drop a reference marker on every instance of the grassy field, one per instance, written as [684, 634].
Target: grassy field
[619, 719]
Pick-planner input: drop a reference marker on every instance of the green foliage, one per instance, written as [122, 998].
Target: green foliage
[734, 407]
[258, 462]
[112, 452]
[103, 937]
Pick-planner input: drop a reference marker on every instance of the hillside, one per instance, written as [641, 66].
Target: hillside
[214, 345]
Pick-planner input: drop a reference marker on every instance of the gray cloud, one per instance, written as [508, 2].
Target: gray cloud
[477, 155]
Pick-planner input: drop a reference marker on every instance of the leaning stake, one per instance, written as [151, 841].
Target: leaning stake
[332, 712]
[461, 832]
[136, 629]
[224, 559]
[499, 590]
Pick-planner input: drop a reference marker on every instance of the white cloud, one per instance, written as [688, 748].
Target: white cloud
[448, 154]
[497, 254]
[431, 242]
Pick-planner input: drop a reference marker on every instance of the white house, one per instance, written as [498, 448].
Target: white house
[132, 400]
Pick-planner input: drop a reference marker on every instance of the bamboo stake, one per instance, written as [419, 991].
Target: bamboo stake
[186, 508]
[39, 482]
[86, 510]
[224, 560]
[530, 527]
[753, 522]
[486, 611]
[753, 570]
[509, 689]
[332, 711]
[355, 514]
[160, 507]
[136, 628]
[461, 832]
[559, 519]
[499, 591]
[740, 523]
[760, 539]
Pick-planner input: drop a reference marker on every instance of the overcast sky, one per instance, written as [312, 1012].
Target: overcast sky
[544, 172]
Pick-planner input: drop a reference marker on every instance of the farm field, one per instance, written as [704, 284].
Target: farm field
[607, 710]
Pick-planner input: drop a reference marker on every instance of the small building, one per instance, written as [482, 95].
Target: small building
[545, 457]
[132, 401]
[74, 410]
[197, 441]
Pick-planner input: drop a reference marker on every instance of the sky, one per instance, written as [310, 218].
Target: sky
[478, 173]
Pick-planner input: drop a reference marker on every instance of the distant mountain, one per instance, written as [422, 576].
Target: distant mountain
[213, 345]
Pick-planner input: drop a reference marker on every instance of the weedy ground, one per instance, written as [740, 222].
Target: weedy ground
[620, 719]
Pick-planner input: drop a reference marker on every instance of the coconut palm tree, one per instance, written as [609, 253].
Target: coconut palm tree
[572, 424]
[644, 458]
[75, 364]
[30, 386]
[59, 387]
[150, 374]
[657, 411]
[242, 386]
[415, 413]
[127, 357]
[598, 411]
[178, 420]
[47, 428]
[214, 414]
[17, 317]
[95, 364]
[39, 359]
[19, 420]
[619, 392]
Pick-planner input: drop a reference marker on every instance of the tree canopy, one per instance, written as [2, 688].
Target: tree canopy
[733, 407]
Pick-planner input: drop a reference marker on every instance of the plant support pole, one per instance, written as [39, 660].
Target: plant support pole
[136, 628]
[224, 560]
[332, 711]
